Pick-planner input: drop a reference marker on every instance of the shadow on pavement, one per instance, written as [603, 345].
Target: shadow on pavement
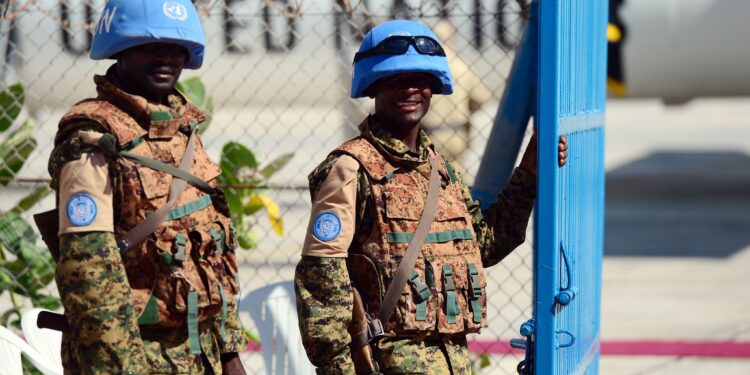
[681, 204]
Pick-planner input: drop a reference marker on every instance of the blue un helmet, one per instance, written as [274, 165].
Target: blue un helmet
[400, 46]
[129, 23]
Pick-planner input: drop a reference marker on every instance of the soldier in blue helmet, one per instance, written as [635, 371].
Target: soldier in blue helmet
[369, 207]
[146, 267]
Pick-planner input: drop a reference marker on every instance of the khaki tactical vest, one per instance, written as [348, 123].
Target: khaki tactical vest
[186, 271]
[446, 290]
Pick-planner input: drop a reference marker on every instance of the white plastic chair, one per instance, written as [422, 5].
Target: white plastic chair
[11, 348]
[274, 310]
[46, 341]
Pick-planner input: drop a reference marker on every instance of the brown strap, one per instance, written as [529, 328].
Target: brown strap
[144, 229]
[412, 252]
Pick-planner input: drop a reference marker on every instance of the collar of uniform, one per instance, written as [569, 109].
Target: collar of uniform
[393, 147]
[398, 153]
[161, 121]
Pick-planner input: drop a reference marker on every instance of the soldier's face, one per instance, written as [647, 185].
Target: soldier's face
[152, 69]
[403, 99]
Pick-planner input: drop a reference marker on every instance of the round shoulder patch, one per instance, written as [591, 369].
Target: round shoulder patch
[81, 210]
[327, 226]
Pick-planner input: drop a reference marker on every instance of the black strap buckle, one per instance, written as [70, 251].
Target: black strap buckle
[423, 291]
[375, 330]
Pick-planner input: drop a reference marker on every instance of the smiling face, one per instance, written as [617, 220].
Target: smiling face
[403, 99]
[151, 70]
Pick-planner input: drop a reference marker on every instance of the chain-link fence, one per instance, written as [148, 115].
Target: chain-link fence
[278, 75]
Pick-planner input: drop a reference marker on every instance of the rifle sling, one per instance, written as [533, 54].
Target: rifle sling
[164, 167]
[144, 229]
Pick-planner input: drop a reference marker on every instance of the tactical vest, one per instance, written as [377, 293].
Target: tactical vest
[186, 271]
[446, 290]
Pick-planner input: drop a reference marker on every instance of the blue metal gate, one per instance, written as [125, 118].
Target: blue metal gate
[559, 76]
[570, 208]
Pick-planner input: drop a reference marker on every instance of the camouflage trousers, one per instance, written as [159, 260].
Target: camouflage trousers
[434, 356]
[104, 337]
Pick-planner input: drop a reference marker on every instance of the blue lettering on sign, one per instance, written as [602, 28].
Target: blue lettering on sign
[327, 226]
[81, 210]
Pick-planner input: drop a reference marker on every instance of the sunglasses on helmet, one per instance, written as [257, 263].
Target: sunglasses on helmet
[398, 45]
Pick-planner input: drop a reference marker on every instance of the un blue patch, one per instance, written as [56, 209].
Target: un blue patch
[327, 226]
[81, 210]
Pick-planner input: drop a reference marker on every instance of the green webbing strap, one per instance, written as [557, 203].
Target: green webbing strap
[476, 293]
[218, 243]
[388, 176]
[451, 305]
[180, 242]
[189, 208]
[192, 323]
[423, 292]
[133, 143]
[160, 116]
[429, 275]
[451, 171]
[166, 168]
[150, 314]
[223, 311]
[432, 237]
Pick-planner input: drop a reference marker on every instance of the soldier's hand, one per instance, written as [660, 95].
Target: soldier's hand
[529, 160]
[231, 364]
[562, 148]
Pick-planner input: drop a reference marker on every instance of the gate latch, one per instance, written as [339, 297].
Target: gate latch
[568, 293]
[525, 367]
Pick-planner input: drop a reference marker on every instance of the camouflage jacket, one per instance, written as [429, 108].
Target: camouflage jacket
[185, 269]
[324, 287]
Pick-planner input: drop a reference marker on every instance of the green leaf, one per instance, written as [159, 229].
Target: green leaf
[484, 360]
[46, 302]
[234, 201]
[251, 336]
[29, 368]
[278, 163]
[13, 231]
[253, 205]
[6, 279]
[15, 150]
[209, 108]
[193, 89]
[235, 156]
[248, 240]
[31, 199]
[11, 102]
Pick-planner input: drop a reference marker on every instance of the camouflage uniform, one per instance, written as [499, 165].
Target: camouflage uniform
[323, 284]
[168, 305]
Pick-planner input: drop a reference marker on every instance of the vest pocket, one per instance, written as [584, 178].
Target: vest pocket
[451, 300]
[462, 299]
[415, 309]
[476, 298]
[154, 183]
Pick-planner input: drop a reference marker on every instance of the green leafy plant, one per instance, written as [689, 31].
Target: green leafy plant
[195, 91]
[242, 175]
[480, 362]
[25, 268]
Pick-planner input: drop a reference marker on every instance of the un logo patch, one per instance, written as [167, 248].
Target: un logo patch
[81, 210]
[174, 10]
[327, 226]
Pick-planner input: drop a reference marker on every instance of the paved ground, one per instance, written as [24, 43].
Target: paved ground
[678, 231]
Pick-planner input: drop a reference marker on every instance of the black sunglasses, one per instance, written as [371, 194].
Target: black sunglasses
[398, 45]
